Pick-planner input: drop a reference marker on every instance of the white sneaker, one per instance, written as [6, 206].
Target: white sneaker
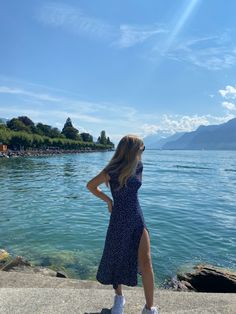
[153, 310]
[119, 302]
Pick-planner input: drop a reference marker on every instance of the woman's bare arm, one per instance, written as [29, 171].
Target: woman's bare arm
[93, 184]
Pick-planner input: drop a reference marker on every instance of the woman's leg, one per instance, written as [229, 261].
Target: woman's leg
[145, 263]
[118, 290]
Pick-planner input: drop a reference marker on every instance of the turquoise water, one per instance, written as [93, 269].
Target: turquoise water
[48, 216]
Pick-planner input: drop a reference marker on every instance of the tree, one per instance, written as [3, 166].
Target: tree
[109, 142]
[17, 125]
[21, 140]
[55, 132]
[103, 139]
[69, 131]
[27, 121]
[47, 130]
[21, 133]
[68, 123]
[86, 137]
[3, 121]
[43, 129]
[5, 134]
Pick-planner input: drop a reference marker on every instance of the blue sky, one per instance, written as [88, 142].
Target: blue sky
[140, 67]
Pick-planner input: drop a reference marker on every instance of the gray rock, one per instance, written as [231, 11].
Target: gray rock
[208, 278]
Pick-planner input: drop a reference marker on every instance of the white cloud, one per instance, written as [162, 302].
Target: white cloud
[73, 19]
[229, 92]
[171, 124]
[117, 119]
[183, 123]
[220, 119]
[131, 35]
[149, 129]
[228, 105]
[45, 115]
[19, 91]
[42, 107]
[210, 52]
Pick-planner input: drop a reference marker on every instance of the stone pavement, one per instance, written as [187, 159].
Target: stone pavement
[35, 293]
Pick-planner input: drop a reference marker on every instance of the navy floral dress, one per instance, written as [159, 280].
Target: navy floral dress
[119, 261]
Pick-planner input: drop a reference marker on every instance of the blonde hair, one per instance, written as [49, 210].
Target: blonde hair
[125, 158]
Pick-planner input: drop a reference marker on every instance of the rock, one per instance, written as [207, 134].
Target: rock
[15, 263]
[61, 274]
[185, 286]
[208, 278]
[45, 271]
[3, 255]
[51, 152]
[18, 264]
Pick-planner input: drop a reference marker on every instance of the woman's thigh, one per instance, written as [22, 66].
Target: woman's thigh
[144, 251]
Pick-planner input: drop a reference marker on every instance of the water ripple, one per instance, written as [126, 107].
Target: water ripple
[187, 197]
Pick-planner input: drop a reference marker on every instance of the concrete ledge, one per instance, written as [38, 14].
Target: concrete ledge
[33, 293]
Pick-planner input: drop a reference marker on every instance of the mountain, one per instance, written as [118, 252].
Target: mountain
[163, 141]
[221, 136]
[155, 141]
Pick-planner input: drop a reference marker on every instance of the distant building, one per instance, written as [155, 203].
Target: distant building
[3, 147]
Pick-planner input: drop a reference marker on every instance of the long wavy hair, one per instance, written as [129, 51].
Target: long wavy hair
[125, 158]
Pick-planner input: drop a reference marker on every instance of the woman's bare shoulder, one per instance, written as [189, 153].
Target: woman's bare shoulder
[106, 175]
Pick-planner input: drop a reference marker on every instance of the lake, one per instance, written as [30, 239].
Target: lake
[48, 216]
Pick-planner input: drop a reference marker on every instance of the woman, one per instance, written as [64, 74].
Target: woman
[127, 246]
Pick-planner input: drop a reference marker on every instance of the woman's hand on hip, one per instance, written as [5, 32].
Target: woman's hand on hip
[110, 205]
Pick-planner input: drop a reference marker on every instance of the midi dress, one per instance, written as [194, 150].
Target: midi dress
[119, 262]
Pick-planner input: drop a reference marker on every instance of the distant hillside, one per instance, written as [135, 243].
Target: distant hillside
[22, 133]
[156, 141]
[221, 136]
[173, 137]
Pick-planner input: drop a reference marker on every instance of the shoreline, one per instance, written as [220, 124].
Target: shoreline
[45, 152]
[202, 277]
[42, 294]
